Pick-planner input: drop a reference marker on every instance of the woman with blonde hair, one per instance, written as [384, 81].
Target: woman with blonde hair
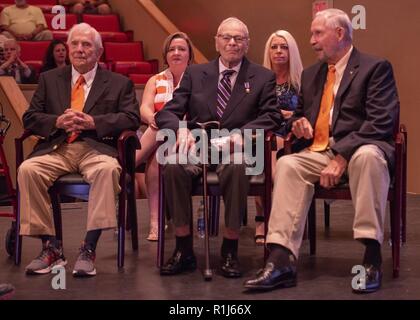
[177, 55]
[282, 56]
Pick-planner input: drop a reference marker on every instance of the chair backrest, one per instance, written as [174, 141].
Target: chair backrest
[107, 23]
[71, 20]
[33, 50]
[124, 51]
[140, 78]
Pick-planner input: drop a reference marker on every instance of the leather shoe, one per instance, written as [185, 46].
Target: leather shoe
[373, 279]
[230, 266]
[179, 263]
[270, 278]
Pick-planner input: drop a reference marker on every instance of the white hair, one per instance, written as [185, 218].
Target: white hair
[295, 62]
[86, 28]
[234, 20]
[335, 18]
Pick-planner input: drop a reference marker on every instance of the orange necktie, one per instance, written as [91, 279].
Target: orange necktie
[77, 102]
[322, 126]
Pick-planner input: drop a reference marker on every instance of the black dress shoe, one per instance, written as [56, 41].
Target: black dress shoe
[270, 278]
[230, 266]
[179, 263]
[373, 280]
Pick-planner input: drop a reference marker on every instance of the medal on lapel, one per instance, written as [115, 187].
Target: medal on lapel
[247, 87]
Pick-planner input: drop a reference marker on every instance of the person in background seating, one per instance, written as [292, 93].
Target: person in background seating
[177, 55]
[24, 22]
[87, 6]
[281, 55]
[57, 56]
[13, 66]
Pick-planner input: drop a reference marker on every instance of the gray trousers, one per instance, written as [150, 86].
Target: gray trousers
[179, 181]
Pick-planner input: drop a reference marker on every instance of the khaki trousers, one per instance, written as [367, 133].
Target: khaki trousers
[294, 188]
[41, 36]
[36, 175]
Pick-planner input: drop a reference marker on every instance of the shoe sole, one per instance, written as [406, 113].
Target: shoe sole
[8, 295]
[186, 270]
[84, 274]
[283, 284]
[47, 270]
[361, 291]
[231, 275]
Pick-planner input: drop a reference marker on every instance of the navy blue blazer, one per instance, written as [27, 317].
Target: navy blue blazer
[366, 106]
[252, 105]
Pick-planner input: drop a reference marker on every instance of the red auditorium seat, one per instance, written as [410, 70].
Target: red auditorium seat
[128, 58]
[108, 26]
[45, 5]
[140, 78]
[32, 53]
[71, 20]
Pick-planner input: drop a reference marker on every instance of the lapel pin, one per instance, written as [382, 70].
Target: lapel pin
[247, 88]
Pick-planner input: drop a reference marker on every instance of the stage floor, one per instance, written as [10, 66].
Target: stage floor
[327, 275]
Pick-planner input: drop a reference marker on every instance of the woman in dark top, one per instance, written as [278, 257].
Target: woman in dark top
[56, 56]
[281, 55]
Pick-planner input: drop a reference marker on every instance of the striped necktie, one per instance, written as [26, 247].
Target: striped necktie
[224, 90]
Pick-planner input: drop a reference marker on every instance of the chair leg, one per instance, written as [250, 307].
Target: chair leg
[214, 209]
[245, 218]
[132, 217]
[267, 211]
[326, 214]
[121, 229]
[161, 222]
[18, 237]
[404, 216]
[56, 208]
[312, 228]
[395, 209]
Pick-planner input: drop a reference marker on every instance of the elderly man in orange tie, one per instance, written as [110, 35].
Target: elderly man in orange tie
[344, 121]
[78, 111]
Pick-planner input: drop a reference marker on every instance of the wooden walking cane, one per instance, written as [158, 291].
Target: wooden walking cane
[207, 272]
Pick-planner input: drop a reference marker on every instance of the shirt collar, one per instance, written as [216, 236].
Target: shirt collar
[89, 76]
[222, 67]
[341, 65]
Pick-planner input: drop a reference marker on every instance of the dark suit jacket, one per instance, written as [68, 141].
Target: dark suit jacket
[23, 80]
[365, 109]
[111, 102]
[197, 96]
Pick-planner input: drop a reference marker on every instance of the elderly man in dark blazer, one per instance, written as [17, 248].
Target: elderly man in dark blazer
[78, 111]
[240, 95]
[345, 120]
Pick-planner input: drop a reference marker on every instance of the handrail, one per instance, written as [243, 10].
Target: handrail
[168, 26]
[14, 96]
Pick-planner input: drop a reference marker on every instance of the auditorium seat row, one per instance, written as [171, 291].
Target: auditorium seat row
[121, 54]
[107, 25]
[125, 58]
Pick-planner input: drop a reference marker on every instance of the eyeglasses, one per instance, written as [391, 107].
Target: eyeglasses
[228, 37]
